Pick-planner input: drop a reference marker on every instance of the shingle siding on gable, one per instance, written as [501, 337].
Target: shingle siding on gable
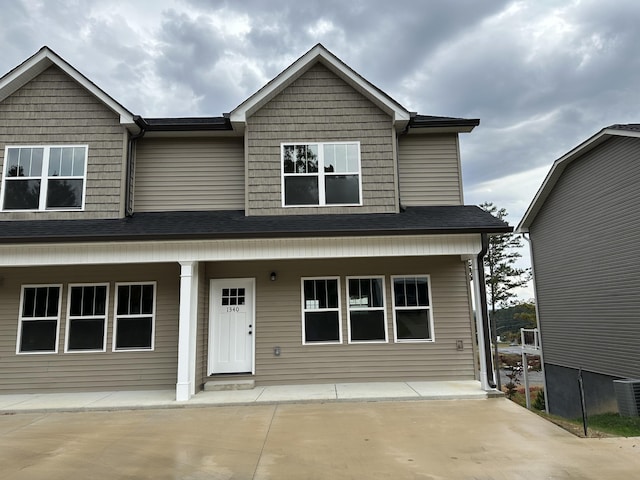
[429, 170]
[53, 109]
[189, 174]
[319, 106]
[585, 249]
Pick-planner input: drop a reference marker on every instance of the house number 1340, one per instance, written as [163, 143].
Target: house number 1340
[233, 309]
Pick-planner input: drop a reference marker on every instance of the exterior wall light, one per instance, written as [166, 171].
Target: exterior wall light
[273, 276]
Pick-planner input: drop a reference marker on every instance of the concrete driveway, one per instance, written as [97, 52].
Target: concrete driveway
[452, 439]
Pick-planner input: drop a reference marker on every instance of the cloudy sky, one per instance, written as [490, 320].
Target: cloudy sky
[542, 75]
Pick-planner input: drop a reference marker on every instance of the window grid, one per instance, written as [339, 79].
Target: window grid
[33, 299]
[95, 298]
[376, 306]
[40, 177]
[320, 302]
[411, 294]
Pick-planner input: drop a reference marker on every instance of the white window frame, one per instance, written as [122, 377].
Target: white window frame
[321, 174]
[94, 317]
[44, 179]
[117, 317]
[22, 319]
[429, 309]
[367, 309]
[305, 310]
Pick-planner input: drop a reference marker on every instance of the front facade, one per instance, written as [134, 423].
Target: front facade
[315, 234]
[583, 226]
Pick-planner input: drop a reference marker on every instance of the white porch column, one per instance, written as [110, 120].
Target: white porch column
[187, 329]
[477, 294]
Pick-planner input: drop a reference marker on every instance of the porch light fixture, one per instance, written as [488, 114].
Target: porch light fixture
[273, 276]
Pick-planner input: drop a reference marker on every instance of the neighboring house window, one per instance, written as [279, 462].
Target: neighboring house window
[367, 317]
[321, 174]
[412, 314]
[87, 318]
[44, 178]
[39, 318]
[134, 317]
[321, 310]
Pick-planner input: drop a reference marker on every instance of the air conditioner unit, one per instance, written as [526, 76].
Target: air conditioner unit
[628, 397]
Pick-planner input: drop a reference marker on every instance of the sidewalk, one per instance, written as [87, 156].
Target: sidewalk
[147, 399]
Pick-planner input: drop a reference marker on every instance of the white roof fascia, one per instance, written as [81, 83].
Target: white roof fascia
[296, 69]
[45, 58]
[558, 168]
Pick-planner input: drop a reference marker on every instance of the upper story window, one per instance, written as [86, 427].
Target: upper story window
[44, 178]
[319, 174]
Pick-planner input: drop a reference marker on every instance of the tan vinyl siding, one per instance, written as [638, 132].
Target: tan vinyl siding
[99, 371]
[52, 109]
[429, 170]
[585, 250]
[189, 174]
[279, 323]
[320, 107]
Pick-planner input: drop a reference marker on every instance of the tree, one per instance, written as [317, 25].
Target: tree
[502, 276]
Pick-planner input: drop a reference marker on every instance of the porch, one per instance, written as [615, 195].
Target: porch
[262, 395]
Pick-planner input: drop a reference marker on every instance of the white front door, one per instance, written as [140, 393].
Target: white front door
[231, 326]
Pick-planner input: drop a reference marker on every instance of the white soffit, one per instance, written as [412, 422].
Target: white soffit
[319, 54]
[45, 58]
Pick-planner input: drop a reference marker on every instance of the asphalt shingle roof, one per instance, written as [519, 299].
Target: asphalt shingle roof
[234, 224]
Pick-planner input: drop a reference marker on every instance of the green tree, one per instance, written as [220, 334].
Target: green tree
[502, 275]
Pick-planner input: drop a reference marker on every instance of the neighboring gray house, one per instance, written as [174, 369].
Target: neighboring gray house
[584, 229]
[315, 234]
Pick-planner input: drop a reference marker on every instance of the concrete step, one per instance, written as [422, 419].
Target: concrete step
[219, 385]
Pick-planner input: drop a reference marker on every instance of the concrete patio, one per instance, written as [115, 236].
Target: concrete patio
[146, 399]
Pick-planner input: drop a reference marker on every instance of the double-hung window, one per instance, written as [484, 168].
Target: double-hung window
[87, 318]
[44, 178]
[39, 319]
[367, 317]
[321, 310]
[412, 315]
[321, 174]
[135, 316]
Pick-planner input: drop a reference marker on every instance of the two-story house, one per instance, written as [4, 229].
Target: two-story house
[315, 234]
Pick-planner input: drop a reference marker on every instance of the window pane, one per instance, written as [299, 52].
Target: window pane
[411, 292]
[100, 306]
[134, 333]
[123, 300]
[86, 334]
[332, 293]
[12, 163]
[55, 161]
[366, 292]
[38, 336]
[412, 324]
[22, 195]
[64, 194]
[301, 191]
[367, 325]
[88, 295]
[75, 303]
[321, 327]
[329, 157]
[135, 299]
[289, 159]
[53, 295]
[423, 289]
[41, 302]
[342, 189]
[66, 166]
[312, 158]
[78, 161]
[147, 299]
[399, 293]
[352, 158]
[28, 302]
[25, 163]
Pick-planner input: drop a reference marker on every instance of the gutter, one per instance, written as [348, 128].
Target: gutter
[130, 165]
[485, 311]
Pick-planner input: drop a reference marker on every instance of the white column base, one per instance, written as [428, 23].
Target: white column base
[183, 392]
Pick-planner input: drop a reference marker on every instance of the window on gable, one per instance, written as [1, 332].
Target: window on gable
[412, 314]
[320, 174]
[86, 324]
[321, 310]
[39, 318]
[44, 178]
[367, 319]
[134, 317]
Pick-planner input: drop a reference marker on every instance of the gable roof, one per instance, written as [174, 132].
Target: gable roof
[320, 54]
[45, 58]
[558, 167]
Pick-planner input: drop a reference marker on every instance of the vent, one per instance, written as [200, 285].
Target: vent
[628, 397]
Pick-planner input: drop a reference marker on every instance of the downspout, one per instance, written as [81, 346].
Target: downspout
[482, 303]
[398, 135]
[535, 302]
[130, 164]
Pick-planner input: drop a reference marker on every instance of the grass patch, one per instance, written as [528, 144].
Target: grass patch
[598, 426]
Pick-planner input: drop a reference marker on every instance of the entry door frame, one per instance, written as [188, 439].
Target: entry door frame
[212, 345]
